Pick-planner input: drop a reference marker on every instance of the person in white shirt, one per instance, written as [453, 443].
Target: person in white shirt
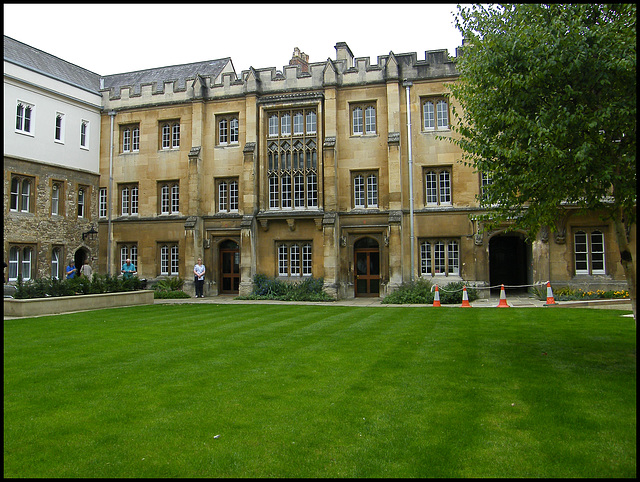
[86, 269]
[198, 271]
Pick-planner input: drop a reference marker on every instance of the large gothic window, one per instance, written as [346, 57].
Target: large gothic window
[292, 159]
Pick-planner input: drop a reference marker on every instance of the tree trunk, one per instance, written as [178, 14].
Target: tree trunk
[627, 261]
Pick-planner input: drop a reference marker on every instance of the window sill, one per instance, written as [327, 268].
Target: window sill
[435, 131]
[25, 133]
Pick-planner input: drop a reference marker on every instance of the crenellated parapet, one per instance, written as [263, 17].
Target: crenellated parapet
[217, 79]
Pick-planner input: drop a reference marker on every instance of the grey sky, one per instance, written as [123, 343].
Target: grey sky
[115, 38]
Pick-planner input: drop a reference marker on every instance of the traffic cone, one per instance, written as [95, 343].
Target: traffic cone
[465, 298]
[503, 299]
[436, 297]
[550, 300]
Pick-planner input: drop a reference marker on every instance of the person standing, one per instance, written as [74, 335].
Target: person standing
[128, 270]
[198, 271]
[71, 270]
[86, 269]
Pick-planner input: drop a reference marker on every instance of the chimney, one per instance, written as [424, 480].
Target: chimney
[301, 59]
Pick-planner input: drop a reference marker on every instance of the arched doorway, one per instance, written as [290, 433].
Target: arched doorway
[229, 267]
[78, 258]
[367, 267]
[509, 257]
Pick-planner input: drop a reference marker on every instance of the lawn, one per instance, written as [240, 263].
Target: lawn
[252, 390]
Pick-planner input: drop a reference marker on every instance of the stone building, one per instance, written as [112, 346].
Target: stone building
[51, 162]
[337, 169]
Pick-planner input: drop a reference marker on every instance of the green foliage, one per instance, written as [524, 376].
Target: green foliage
[46, 287]
[548, 97]
[411, 292]
[451, 294]
[169, 284]
[570, 293]
[169, 295]
[309, 289]
[420, 292]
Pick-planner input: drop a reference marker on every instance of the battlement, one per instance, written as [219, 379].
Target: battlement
[217, 79]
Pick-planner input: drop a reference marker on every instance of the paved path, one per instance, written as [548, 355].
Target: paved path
[516, 301]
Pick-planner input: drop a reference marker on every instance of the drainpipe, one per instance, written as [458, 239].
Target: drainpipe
[109, 230]
[407, 84]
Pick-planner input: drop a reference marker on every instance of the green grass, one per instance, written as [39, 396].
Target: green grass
[320, 391]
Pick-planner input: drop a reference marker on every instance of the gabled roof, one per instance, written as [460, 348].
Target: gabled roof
[41, 62]
[174, 73]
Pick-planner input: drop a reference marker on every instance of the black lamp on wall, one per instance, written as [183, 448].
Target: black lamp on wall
[91, 233]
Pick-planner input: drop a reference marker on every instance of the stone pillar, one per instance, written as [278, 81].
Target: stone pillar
[395, 250]
[394, 158]
[331, 248]
[247, 254]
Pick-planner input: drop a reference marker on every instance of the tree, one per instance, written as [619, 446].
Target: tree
[548, 97]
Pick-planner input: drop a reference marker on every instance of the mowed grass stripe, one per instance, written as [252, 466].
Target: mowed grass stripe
[298, 391]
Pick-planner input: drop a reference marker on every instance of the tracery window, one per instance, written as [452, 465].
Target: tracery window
[292, 159]
[22, 194]
[56, 198]
[24, 117]
[21, 261]
[84, 134]
[59, 128]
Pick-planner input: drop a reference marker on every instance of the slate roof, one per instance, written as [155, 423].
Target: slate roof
[158, 76]
[33, 59]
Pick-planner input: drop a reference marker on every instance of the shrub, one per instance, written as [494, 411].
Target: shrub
[169, 295]
[309, 289]
[45, 287]
[411, 292]
[169, 284]
[420, 291]
[451, 294]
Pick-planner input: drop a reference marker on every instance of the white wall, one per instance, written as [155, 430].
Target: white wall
[49, 97]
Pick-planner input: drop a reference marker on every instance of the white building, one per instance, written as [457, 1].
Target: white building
[51, 161]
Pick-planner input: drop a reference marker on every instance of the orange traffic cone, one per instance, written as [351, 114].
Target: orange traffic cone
[550, 300]
[503, 299]
[465, 298]
[436, 297]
